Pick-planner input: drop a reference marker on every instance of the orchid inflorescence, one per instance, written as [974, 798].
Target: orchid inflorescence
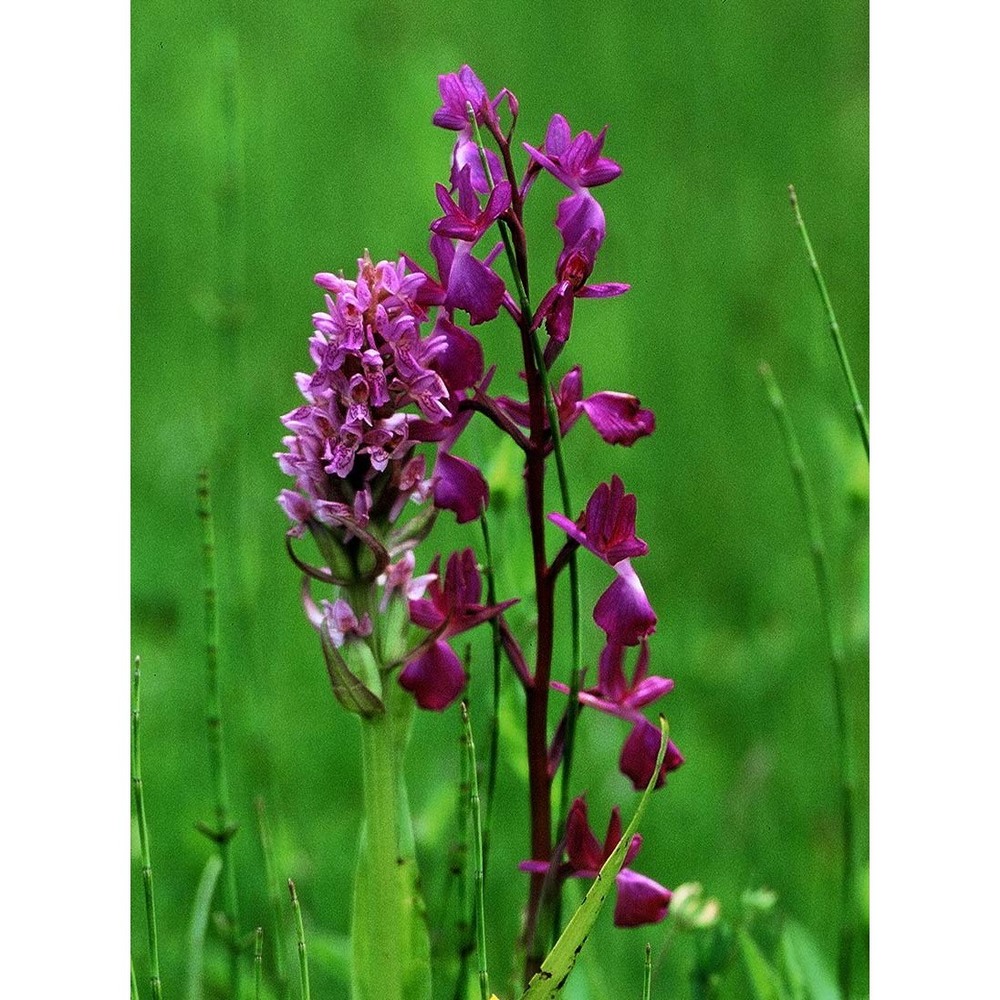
[397, 378]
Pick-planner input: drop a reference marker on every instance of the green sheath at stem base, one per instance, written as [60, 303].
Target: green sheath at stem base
[390, 943]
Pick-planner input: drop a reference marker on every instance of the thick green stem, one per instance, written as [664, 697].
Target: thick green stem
[838, 662]
[390, 943]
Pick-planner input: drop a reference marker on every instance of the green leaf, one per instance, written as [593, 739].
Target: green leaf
[348, 688]
[549, 982]
[799, 947]
[764, 979]
[198, 927]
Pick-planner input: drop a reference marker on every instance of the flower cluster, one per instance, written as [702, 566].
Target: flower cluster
[397, 378]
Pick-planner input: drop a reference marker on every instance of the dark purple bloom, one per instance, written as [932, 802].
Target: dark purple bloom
[618, 417]
[473, 286]
[623, 610]
[435, 678]
[638, 756]
[577, 163]
[459, 487]
[454, 607]
[464, 87]
[640, 899]
[614, 695]
[607, 526]
[467, 221]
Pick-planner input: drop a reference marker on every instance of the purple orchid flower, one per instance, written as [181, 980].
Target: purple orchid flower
[435, 675]
[577, 163]
[623, 611]
[616, 416]
[614, 695]
[467, 221]
[459, 487]
[462, 88]
[639, 752]
[607, 525]
[341, 623]
[640, 900]
[398, 577]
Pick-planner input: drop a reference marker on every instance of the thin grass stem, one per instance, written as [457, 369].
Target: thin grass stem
[280, 946]
[492, 766]
[224, 828]
[838, 662]
[198, 927]
[147, 864]
[477, 845]
[135, 985]
[258, 963]
[300, 936]
[463, 921]
[647, 974]
[859, 410]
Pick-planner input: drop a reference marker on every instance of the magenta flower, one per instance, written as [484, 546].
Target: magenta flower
[467, 221]
[638, 756]
[607, 525]
[640, 900]
[340, 622]
[459, 487]
[398, 577]
[614, 695]
[577, 163]
[435, 678]
[464, 87]
[435, 674]
[623, 611]
[616, 416]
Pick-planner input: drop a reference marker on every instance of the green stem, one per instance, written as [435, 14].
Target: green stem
[491, 773]
[463, 923]
[477, 844]
[135, 985]
[147, 864]
[838, 662]
[224, 828]
[647, 974]
[859, 410]
[390, 944]
[258, 962]
[300, 935]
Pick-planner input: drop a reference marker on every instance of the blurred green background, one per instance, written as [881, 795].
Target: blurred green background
[271, 141]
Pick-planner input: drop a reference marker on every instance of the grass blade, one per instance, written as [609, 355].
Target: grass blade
[859, 410]
[147, 864]
[463, 923]
[764, 979]
[198, 927]
[491, 770]
[839, 667]
[647, 974]
[258, 962]
[477, 845]
[135, 985]
[300, 934]
[549, 982]
[280, 948]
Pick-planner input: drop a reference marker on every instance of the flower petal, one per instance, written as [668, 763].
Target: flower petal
[640, 900]
[459, 487]
[623, 610]
[436, 678]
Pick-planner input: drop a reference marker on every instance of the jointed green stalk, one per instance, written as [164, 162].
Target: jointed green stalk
[838, 662]
[224, 829]
[300, 934]
[859, 410]
[273, 895]
[258, 962]
[477, 844]
[647, 974]
[147, 864]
